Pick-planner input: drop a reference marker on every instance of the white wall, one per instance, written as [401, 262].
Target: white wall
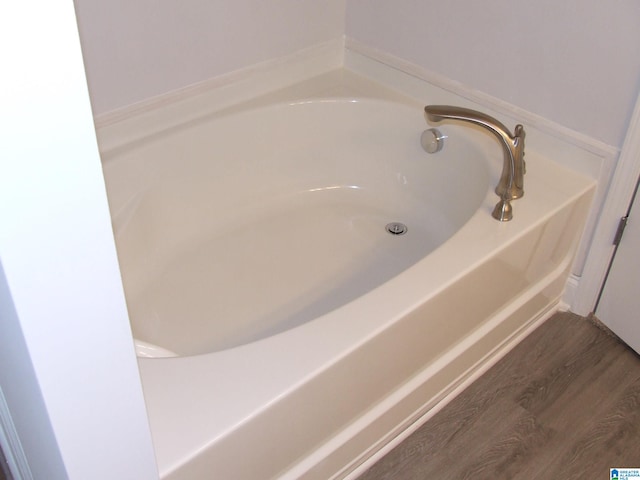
[575, 62]
[68, 368]
[137, 50]
[22, 408]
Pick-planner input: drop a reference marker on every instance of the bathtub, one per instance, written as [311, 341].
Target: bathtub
[291, 334]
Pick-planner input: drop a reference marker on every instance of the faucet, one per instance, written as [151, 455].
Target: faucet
[511, 184]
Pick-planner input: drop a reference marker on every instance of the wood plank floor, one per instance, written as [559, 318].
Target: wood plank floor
[565, 403]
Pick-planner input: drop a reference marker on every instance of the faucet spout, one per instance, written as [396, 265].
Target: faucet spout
[511, 184]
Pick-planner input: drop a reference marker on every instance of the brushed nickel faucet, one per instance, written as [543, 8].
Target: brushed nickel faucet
[511, 184]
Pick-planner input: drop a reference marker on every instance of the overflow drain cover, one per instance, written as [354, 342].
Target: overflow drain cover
[396, 228]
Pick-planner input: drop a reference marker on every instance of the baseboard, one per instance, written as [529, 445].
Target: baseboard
[570, 293]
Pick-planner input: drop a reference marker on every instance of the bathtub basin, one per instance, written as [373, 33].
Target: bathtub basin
[302, 335]
[247, 225]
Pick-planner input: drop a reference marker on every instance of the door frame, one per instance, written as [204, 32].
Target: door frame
[619, 197]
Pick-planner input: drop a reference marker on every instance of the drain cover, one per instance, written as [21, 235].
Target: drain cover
[396, 228]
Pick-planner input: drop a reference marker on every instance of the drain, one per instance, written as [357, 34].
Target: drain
[396, 228]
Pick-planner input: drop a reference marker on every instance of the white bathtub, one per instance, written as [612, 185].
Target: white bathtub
[303, 336]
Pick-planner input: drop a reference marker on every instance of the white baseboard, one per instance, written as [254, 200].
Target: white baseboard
[570, 293]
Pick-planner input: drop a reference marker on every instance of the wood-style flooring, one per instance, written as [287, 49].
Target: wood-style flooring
[564, 404]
